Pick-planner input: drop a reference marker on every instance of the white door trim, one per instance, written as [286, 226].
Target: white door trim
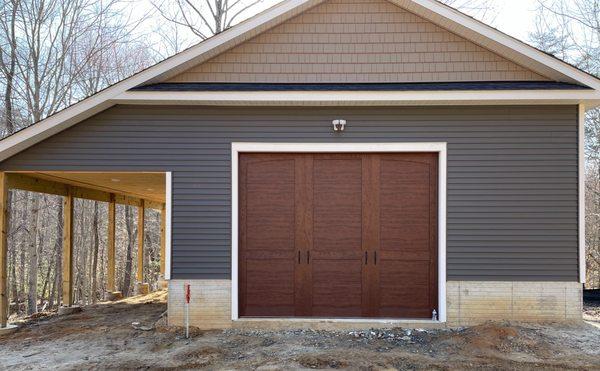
[439, 147]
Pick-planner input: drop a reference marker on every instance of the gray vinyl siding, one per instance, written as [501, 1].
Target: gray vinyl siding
[512, 174]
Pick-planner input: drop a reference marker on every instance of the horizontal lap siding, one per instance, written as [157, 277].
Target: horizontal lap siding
[512, 174]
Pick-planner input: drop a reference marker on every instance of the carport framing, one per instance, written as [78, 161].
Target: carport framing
[27, 181]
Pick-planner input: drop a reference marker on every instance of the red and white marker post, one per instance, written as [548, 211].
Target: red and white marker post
[188, 297]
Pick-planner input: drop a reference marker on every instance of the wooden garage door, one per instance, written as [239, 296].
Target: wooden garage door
[338, 235]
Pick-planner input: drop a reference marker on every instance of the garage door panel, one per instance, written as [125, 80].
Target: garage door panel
[337, 204]
[267, 255]
[405, 254]
[405, 195]
[406, 281]
[269, 210]
[265, 281]
[337, 288]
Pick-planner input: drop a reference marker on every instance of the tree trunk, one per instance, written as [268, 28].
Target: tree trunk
[46, 282]
[130, 243]
[23, 255]
[9, 72]
[12, 253]
[57, 284]
[33, 256]
[95, 253]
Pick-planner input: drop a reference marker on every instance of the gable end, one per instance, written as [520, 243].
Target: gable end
[357, 41]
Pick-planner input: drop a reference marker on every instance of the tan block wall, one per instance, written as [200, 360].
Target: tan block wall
[357, 41]
[210, 305]
[470, 303]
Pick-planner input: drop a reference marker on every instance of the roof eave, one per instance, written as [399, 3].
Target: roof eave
[499, 42]
[591, 98]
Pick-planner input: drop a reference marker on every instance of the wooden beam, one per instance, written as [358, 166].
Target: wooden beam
[140, 254]
[29, 183]
[89, 194]
[111, 244]
[67, 263]
[154, 205]
[4, 250]
[163, 240]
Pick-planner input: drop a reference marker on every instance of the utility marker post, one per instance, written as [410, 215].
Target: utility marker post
[187, 310]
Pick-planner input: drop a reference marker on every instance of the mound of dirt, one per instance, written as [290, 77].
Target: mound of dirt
[492, 338]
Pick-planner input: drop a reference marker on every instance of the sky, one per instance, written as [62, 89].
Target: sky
[516, 17]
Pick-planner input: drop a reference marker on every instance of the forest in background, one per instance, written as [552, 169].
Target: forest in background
[54, 53]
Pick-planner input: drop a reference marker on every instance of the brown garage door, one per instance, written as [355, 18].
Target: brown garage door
[338, 235]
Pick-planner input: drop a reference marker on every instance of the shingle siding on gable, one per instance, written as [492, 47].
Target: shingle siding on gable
[512, 174]
[357, 41]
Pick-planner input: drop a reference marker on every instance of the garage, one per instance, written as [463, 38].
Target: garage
[338, 235]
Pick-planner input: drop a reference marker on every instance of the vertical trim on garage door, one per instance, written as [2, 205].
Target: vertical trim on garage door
[439, 147]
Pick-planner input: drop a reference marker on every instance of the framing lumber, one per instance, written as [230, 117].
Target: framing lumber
[67, 254]
[140, 254]
[3, 250]
[163, 240]
[29, 183]
[111, 245]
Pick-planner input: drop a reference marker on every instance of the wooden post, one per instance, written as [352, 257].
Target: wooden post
[111, 244]
[4, 250]
[140, 254]
[67, 263]
[163, 241]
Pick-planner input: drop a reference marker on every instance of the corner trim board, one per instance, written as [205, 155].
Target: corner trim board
[168, 213]
[250, 147]
[581, 192]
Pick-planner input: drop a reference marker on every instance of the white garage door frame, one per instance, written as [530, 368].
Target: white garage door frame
[430, 147]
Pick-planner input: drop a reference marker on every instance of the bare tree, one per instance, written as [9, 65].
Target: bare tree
[54, 43]
[8, 58]
[129, 258]
[205, 18]
[33, 256]
[570, 29]
[96, 247]
[482, 9]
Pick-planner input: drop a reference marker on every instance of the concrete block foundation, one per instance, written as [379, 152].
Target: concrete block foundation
[210, 304]
[468, 303]
[471, 303]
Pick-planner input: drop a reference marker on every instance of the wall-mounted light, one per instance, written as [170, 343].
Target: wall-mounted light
[338, 125]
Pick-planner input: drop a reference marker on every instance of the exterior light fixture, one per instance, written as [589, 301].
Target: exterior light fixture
[339, 125]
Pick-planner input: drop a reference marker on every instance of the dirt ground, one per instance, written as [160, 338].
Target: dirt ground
[102, 337]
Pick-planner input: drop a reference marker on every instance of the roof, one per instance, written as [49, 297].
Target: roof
[424, 86]
[443, 15]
